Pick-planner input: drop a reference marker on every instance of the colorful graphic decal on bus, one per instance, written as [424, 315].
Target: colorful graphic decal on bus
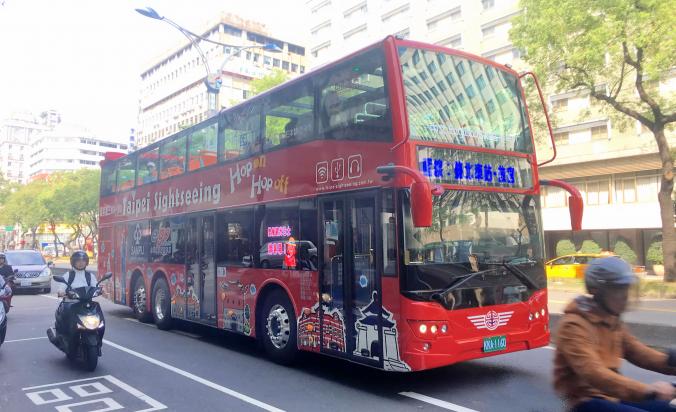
[236, 313]
[366, 328]
[334, 329]
[491, 320]
[467, 168]
[273, 176]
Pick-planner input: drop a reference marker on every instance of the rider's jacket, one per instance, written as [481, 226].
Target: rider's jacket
[590, 346]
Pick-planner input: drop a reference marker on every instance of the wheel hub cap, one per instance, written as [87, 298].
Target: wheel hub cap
[140, 299]
[159, 304]
[278, 326]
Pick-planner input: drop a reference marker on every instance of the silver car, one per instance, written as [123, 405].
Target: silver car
[33, 272]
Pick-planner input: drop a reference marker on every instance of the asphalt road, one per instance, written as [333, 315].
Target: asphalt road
[198, 369]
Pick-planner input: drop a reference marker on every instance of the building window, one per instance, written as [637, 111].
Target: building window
[488, 31]
[444, 18]
[275, 62]
[561, 137]
[599, 132]
[358, 10]
[625, 190]
[285, 65]
[560, 104]
[394, 13]
[554, 197]
[647, 188]
[452, 42]
[487, 4]
[294, 67]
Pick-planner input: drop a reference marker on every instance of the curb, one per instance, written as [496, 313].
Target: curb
[657, 336]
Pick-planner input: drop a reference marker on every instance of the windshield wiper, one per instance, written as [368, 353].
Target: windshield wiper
[516, 271]
[457, 282]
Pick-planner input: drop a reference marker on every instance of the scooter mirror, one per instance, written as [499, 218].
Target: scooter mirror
[16, 270]
[59, 279]
[106, 276]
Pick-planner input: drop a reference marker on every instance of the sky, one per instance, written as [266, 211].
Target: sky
[84, 57]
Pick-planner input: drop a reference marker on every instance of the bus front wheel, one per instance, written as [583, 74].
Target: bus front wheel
[139, 303]
[161, 304]
[278, 328]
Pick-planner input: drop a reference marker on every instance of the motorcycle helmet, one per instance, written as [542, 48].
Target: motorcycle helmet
[607, 272]
[79, 255]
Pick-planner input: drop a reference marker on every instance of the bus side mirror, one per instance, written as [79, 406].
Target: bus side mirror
[575, 203]
[575, 207]
[421, 204]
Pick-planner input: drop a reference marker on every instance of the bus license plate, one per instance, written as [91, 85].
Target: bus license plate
[495, 343]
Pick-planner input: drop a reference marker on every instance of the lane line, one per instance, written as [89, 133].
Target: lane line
[550, 347]
[50, 297]
[437, 402]
[25, 339]
[201, 380]
[140, 323]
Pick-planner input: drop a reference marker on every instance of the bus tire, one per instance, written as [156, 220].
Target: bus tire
[139, 301]
[161, 304]
[278, 328]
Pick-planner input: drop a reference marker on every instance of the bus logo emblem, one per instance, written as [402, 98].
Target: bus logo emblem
[491, 320]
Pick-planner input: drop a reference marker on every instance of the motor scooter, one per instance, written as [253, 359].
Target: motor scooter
[80, 327]
[5, 296]
[6, 299]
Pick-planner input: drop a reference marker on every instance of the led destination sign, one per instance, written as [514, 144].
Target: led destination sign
[467, 168]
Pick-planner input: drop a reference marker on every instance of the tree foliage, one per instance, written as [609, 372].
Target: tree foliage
[269, 81]
[617, 51]
[590, 246]
[565, 247]
[70, 198]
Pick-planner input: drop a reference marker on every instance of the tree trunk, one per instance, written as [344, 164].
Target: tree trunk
[56, 240]
[667, 205]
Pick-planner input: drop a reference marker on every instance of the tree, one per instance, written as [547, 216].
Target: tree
[565, 247]
[26, 207]
[626, 45]
[269, 81]
[623, 250]
[590, 246]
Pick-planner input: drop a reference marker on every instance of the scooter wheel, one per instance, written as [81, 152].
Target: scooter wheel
[91, 357]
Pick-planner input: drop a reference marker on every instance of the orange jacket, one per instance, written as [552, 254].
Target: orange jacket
[590, 346]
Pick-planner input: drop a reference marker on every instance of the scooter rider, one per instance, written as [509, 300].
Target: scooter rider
[592, 341]
[77, 277]
[5, 269]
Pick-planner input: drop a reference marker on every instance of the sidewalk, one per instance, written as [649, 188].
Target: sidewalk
[653, 321]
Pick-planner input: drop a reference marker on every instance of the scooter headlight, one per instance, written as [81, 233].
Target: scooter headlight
[90, 322]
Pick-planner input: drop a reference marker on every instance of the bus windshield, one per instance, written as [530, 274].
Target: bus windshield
[473, 231]
[452, 99]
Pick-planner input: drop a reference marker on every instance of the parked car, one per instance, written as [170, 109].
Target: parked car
[570, 266]
[50, 252]
[34, 273]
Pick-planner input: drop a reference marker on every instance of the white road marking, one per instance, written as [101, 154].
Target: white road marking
[154, 405]
[550, 347]
[25, 339]
[437, 402]
[198, 379]
[50, 297]
[140, 323]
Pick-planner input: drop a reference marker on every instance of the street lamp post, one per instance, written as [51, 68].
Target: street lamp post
[212, 80]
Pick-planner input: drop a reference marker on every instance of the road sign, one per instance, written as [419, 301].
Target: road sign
[9, 228]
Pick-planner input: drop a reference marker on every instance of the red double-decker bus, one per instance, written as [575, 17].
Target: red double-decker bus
[384, 209]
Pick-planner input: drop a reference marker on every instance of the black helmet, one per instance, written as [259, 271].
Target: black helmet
[608, 271]
[79, 255]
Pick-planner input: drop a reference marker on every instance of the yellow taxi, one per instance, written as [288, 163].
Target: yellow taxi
[571, 266]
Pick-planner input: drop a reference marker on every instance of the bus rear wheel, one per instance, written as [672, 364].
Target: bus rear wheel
[161, 304]
[278, 328]
[139, 301]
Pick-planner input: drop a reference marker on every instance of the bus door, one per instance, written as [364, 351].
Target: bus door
[201, 270]
[350, 316]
